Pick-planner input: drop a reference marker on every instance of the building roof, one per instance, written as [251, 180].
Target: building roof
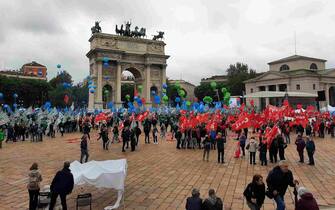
[279, 94]
[181, 81]
[295, 57]
[33, 63]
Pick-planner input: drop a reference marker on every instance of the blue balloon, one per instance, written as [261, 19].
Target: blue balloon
[153, 92]
[59, 66]
[105, 59]
[14, 106]
[110, 105]
[1, 96]
[164, 86]
[5, 106]
[15, 95]
[177, 100]
[92, 91]
[157, 99]
[106, 64]
[90, 82]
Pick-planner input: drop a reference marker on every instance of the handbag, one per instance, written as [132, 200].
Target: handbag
[248, 146]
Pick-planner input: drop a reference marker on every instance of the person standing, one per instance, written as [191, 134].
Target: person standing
[163, 131]
[133, 139]
[138, 133]
[274, 150]
[279, 178]
[61, 185]
[281, 147]
[84, 148]
[310, 147]
[207, 148]
[242, 140]
[178, 135]
[194, 202]
[2, 136]
[154, 134]
[220, 141]
[212, 202]
[147, 128]
[300, 147]
[104, 136]
[252, 150]
[125, 138]
[255, 193]
[115, 134]
[33, 186]
[262, 152]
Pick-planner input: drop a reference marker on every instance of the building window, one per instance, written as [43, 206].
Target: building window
[298, 87]
[284, 67]
[314, 87]
[313, 66]
[251, 90]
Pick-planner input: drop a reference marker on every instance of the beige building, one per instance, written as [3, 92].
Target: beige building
[299, 78]
[217, 78]
[187, 87]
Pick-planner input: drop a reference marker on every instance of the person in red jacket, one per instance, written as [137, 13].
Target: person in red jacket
[306, 201]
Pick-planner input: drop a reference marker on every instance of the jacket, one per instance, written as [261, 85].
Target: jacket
[310, 146]
[306, 202]
[278, 180]
[255, 191]
[253, 146]
[83, 144]
[242, 139]
[210, 204]
[63, 182]
[300, 144]
[220, 142]
[34, 180]
[193, 203]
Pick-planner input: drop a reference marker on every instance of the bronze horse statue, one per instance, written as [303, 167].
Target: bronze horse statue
[137, 33]
[96, 28]
[160, 35]
[119, 31]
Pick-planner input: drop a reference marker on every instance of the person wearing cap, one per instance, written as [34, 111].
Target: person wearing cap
[306, 201]
[279, 178]
[194, 202]
[61, 185]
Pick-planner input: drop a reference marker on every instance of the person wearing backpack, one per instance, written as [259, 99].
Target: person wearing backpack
[255, 193]
[33, 186]
[212, 202]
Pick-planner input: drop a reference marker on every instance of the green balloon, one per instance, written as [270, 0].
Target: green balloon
[165, 98]
[140, 88]
[207, 99]
[188, 103]
[213, 85]
[177, 85]
[163, 90]
[223, 90]
[181, 93]
[106, 92]
[227, 95]
[127, 97]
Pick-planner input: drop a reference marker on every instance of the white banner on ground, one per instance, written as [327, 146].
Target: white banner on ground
[106, 174]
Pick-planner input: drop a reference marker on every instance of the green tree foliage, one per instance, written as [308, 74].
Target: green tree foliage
[237, 73]
[31, 92]
[60, 79]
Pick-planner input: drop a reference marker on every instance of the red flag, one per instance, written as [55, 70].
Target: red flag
[242, 122]
[66, 99]
[270, 134]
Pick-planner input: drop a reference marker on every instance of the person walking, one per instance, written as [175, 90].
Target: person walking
[104, 136]
[252, 147]
[255, 193]
[281, 147]
[212, 202]
[33, 186]
[138, 133]
[84, 148]
[194, 202]
[279, 178]
[220, 141]
[207, 148]
[310, 147]
[62, 185]
[155, 134]
[300, 147]
[306, 200]
[274, 150]
[242, 140]
[147, 128]
[115, 134]
[133, 139]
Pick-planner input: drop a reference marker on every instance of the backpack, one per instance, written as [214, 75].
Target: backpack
[33, 182]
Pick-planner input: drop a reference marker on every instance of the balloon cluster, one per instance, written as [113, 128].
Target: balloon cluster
[226, 95]
[165, 98]
[105, 61]
[91, 86]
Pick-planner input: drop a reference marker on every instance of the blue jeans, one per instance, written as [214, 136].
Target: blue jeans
[280, 202]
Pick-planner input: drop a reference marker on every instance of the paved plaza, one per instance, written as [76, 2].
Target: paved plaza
[159, 176]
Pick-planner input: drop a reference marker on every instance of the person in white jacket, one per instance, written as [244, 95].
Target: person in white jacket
[252, 147]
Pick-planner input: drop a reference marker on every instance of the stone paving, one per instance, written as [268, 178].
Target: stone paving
[159, 176]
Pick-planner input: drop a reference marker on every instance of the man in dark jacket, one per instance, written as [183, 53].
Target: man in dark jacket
[61, 185]
[281, 147]
[194, 202]
[310, 147]
[306, 201]
[147, 128]
[84, 149]
[279, 178]
[212, 202]
[126, 134]
[220, 141]
[300, 142]
[178, 135]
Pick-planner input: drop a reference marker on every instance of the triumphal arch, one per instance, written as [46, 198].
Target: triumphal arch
[127, 50]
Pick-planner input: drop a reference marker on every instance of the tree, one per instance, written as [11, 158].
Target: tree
[205, 89]
[60, 79]
[237, 73]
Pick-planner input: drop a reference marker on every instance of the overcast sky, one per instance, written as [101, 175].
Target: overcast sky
[202, 37]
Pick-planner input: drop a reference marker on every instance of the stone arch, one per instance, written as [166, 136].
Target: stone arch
[137, 71]
[284, 67]
[107, 95]
[313, 66]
